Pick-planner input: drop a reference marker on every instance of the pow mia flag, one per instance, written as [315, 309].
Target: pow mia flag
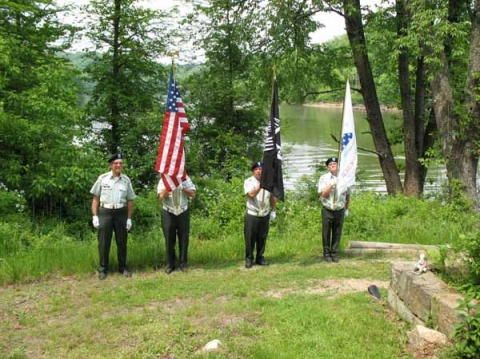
[272, 174]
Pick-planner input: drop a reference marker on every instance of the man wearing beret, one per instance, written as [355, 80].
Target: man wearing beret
[334, 210]
[112, 208]
[257, 217]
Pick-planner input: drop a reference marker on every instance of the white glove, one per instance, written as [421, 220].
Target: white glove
[273, 215]
[95, 221]
[129, 224]
[346, 213]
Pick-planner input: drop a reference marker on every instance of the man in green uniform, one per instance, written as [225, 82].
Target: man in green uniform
[112, 208]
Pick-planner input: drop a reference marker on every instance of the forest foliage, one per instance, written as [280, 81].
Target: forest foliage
[64, 112]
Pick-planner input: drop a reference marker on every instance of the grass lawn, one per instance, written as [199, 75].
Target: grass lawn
[292, 309]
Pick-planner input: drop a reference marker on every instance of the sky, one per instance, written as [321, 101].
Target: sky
[334, 23]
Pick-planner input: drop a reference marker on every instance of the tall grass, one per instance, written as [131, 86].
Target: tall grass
[29, 253]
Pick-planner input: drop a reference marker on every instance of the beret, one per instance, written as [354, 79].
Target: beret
[257, 164]
[330, 160]
[116, 156]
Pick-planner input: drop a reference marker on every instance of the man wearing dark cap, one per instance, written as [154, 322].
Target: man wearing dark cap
[261, 207]
[176, 222]
[334, 210]
[112, 208]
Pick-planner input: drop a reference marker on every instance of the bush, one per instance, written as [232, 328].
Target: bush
[467, 333]
[12, 204]
[220, 204]
[14, 237]
[401, 219]
[147, 211]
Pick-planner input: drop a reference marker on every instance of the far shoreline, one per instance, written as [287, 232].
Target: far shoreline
[358, 107]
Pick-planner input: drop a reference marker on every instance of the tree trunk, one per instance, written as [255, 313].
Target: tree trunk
[458, 144]
[412, 185]
[461, 161]
[427, 140]
[356, 37]
[425, 125]
[473, 105]
[114, 108]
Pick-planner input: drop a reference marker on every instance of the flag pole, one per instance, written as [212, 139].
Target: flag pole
[335, 194]
[272, 176]
[341, 125]
[348, 158]
[172, 55]
[272, 98]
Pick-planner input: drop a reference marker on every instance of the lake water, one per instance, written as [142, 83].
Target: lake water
[306, 134]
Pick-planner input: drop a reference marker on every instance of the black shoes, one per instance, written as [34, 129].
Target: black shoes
[126, 273]
[262, 262]
[182, 267]
[332, 258]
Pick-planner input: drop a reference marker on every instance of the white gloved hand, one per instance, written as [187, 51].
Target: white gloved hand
[346, 213]
[273, 215]
[129, 224]
[95, 221]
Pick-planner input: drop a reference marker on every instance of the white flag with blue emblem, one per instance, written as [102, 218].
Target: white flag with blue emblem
[348, 149]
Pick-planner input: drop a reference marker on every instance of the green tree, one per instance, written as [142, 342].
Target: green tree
[39, 115]
[452, 46]
[129, 82]
[404, 75]
[436, 67]
[226, 113]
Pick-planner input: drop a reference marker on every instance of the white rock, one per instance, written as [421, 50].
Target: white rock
[421, 336]
[210, 346]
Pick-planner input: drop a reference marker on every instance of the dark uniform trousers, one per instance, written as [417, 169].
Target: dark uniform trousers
[112, 220]
[174, 226]
[332, 224]
[255, 232]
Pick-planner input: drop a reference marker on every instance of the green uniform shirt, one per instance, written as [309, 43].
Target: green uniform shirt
[113, 191]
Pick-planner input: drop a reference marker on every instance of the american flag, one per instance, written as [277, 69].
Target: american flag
[272, 174]
[171, 154]
[348, 151]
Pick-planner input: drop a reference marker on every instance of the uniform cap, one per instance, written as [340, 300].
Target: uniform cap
[116, 156]
[257, 164]
[330, 160]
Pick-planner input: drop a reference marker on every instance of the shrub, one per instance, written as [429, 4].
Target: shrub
[467, 333]
[12, 204]
[221, 204]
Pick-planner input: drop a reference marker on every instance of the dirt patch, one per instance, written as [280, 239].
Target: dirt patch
[331, 287]
[428, 351]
